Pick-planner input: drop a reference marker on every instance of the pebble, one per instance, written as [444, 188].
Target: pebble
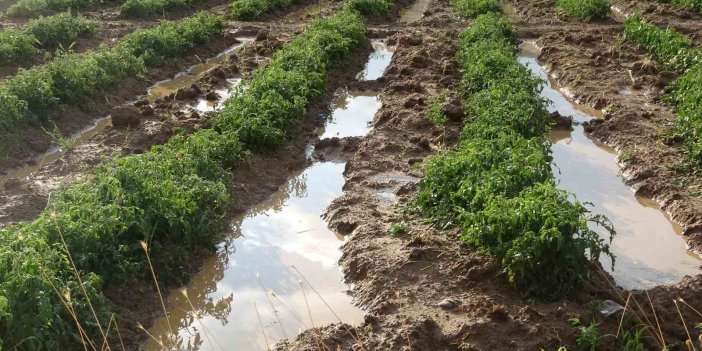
[448, 304]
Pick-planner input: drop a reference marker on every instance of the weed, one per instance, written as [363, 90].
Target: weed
[398, 228]
[628, 157]
[585, 10]
[59, 140]
[589, 336]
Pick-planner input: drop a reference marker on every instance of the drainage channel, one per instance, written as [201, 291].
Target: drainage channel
[158, 90]
[649, 248]
[255, 264]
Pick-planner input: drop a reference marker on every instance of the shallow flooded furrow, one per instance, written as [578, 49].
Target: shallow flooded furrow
[649, 248]
[276, 274]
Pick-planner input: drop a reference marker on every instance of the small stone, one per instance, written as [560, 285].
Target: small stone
[447, 304]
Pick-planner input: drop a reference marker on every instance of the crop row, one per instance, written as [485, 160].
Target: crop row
[585, 10]
[34, 8]
[34, 94]
[18, 45]
[677, 52]
[694, 5]
[497, 185]
[171, 197]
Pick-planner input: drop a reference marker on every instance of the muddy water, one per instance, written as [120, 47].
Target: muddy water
[649, 248]
[56, 152]
[415, 12]
[189, 77]
[307, 11]
[204, 105]
[352, 111]
[378, 61]
[250, 294]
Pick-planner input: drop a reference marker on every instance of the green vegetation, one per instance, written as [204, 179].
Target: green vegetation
[694, 5]
[34, 94]
[498, 185]
[172, 197]
[60, 29]
[149, 8]
[667, 45]
[369, 7]
[21, 45]
[585, 10]
[677, 52]
[34, 8]
[247, 10]
[474, 8]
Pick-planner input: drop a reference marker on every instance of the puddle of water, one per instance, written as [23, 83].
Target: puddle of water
[352, 112]
[227, 303]
[189, 77]
[648, 246]
[378, 61]
[55, 152]
[415, 12]
[204, 105]
[285, 230]
[307, 11]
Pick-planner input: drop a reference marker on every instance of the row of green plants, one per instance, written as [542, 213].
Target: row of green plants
[35, 8]
[36, 94]
[172, 198]
[20, 45]
[497, 184]
[585, 10]
[694, 5]
[149, 8]
[678, 53]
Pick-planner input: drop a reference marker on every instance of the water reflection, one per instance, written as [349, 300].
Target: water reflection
[352, 112]
[378, 61]
[648, 246]
[282, 231]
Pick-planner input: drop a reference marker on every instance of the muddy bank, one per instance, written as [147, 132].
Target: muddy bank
[25, 191]
[635, 122]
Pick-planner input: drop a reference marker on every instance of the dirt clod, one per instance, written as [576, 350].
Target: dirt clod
[126, 116]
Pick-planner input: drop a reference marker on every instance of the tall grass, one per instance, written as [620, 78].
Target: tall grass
[677, 52]
[498, 185]
[172, 197]
[585, 10]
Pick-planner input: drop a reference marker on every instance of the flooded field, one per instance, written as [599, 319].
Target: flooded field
[649, 248]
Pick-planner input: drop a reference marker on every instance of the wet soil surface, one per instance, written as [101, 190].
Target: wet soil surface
[422, 290]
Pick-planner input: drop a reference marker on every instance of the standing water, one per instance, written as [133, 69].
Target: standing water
[649, 248]
[262, 285]
[378, 61]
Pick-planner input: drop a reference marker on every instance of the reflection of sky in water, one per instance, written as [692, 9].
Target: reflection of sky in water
[285, 230]
[352, 111]
[378, 61]
[649, 251]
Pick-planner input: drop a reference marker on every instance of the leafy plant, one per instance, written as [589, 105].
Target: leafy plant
[667, 45]
[149, 8]
[474, 8]
[61, 29]
[589, 336]
[585, 10]
[34, 8]
[498, 185]
[369, 7]
[435, 112]
[398, 228]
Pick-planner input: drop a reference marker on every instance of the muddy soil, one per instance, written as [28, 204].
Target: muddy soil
[422, 290]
